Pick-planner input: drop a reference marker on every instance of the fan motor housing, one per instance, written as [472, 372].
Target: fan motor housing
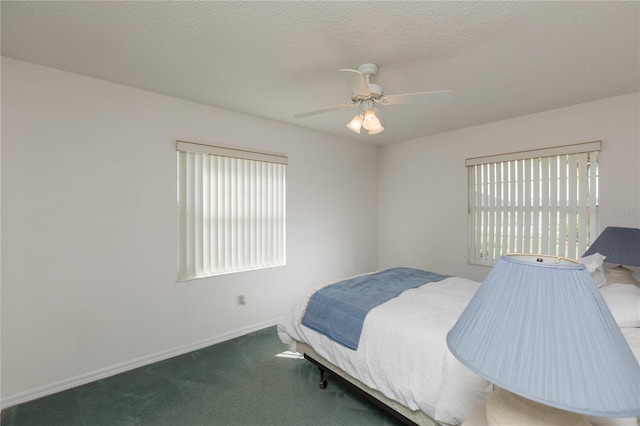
[376, 90]
[376, 93]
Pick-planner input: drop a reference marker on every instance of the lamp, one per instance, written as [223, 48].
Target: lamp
[539, 329]
[621, 246]
[366, 119]
[376, 130]
[355, 124]
[370, 120]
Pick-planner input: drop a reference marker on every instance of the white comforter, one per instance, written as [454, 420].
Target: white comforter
[403, 351]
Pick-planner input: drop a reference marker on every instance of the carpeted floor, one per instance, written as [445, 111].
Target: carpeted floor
[245, 381]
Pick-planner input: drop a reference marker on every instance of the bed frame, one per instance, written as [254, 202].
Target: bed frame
[394, 408]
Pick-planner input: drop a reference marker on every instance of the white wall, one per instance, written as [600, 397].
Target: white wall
[423, 182]
[89, 227]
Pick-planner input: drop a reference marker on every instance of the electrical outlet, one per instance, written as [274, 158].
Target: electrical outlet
[242, 300]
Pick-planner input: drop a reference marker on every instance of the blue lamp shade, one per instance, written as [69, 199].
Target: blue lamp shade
[538, 327]
[619, 245]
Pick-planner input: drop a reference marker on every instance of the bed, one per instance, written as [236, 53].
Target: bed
[401, 362]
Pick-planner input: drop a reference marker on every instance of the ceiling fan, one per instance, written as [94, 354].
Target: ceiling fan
[368, 95]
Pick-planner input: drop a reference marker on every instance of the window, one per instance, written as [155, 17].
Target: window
[231, 210]
[543, 201]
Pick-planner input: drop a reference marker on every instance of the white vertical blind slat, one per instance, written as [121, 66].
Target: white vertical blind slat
[491, 208]
[583, 176]
[536, 205]
[190, 227]
[472, 231]
[272, 215]
[239, 200]
[182, 217]
[478, 213]
[246, 217]
[223, 209]
[280, 214]
[265, 215]
[206, 215]
[572, 206]
[233, 219]
[259, 215]
[553, 205]
[253, 215]
[519, 225]
[593, 196]
[527, 203]
[213, 244]
[544, 205]
[499, 207]
[485, 213]
[197, 218]
[562, 211]
[513, 210]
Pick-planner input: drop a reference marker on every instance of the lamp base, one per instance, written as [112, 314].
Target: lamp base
[620, 274]
[507, 409]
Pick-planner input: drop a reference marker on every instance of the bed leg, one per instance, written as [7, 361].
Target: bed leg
[323, 381]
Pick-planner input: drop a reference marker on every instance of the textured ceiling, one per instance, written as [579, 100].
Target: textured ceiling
[275, 59]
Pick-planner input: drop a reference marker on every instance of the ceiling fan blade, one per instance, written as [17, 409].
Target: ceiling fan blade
[327, 109]
[415, 98]
[357, 82]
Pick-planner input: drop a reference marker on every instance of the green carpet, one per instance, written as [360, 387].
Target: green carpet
[242, 381]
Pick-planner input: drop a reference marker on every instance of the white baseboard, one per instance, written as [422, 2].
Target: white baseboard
[83, 379]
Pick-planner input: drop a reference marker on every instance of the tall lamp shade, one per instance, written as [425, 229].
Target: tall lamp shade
[539, 328]
[620, 246]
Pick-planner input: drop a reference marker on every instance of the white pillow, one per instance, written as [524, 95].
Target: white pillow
[624, 302]
[594, 266]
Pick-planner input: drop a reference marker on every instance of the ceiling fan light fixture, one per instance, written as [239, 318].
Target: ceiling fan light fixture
[356, 123]
[370, 120]
[376, 130]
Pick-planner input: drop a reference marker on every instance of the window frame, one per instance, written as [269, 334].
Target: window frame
[231, 210]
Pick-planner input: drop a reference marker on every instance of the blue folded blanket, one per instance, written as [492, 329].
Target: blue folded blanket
[339, 310]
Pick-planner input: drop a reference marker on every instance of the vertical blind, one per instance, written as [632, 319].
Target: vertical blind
[543, 202]
[231, 210]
